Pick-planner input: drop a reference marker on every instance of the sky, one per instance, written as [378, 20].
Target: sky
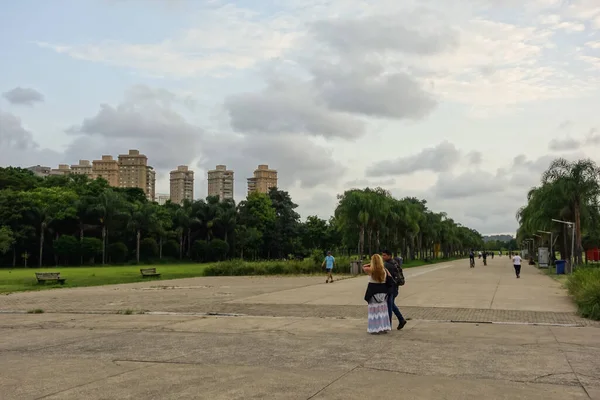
[461, 103]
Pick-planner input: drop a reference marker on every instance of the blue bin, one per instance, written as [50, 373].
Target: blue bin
[560, 267]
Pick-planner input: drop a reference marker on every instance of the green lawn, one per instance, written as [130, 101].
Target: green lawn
[23, 279]
[18, 280]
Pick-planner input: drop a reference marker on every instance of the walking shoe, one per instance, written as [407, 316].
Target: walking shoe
[401, 324]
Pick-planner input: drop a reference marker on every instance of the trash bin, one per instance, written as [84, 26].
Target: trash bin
[560, 267]
[355, 267]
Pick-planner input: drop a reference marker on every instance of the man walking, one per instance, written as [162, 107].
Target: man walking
[517, 265]
[329, 263]
[394, 270]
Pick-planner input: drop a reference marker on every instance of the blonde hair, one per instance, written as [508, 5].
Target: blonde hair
[377, 270]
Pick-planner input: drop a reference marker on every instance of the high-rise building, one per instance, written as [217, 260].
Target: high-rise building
[107, 168]
[182, 184]
[150, 183]
[220, 182]
[132, 170]
[39, 170]
[63, 169]
[263, 179]
[83, 168]
[162, 198]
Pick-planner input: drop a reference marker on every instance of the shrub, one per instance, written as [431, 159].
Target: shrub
[117, 252]
[200, 250]
[218, 249]
[317, 256]
[148, 248]
[66, 246]
[171, 249]
[90, 248]
[584, 286]
[242, 268]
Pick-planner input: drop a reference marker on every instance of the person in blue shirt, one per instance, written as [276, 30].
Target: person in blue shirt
[329, 263]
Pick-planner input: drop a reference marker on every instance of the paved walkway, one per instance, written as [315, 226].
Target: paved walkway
[301, 339]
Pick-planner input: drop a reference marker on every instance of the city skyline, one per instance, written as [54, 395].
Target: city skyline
[110, 169]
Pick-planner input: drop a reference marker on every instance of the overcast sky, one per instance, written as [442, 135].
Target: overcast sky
[463, 103]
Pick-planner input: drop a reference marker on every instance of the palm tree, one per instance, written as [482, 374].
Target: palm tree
[110, 207]
[143, 217]
[578, 183]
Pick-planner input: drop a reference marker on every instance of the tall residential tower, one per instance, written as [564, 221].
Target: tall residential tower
[220, 182]
[263, 179]
[182, 184]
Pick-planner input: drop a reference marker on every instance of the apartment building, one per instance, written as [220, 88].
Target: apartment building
[63, 169]
[132, 170]
[182, 184]
[263, 179]
[39, 170]
[108, 169]
[150, 183]
[83, 168]
[162, 198]
[220, 182]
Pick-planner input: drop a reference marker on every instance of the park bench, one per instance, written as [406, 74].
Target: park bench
[42, 277]
[149, 272]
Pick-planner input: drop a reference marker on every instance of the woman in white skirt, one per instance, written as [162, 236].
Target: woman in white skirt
[376, 296]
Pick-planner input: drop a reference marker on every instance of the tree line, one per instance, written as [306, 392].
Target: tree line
[568, 191]
[74, 220]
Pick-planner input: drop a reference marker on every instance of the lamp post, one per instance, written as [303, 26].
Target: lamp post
[572, 226]
[551, 239]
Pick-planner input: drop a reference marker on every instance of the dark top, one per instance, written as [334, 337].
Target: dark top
[375, 288]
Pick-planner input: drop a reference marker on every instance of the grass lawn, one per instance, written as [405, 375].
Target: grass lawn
[18, 280]
[23, 279]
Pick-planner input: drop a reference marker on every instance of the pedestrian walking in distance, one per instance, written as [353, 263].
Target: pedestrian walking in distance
[329, 263]
[517, 265]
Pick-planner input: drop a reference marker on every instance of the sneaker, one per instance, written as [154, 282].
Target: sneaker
[401, 324]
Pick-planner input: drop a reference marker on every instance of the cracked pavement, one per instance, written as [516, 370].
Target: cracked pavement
[298, 338]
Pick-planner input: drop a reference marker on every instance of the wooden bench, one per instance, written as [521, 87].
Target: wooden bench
[149, 272]
[43, 277]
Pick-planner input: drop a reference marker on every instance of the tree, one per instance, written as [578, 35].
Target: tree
[51, 204]
[577, 182]
[218, 249]
[143, 217]
[7, 239]
[65, 247]
[285, 228]
[109, 209]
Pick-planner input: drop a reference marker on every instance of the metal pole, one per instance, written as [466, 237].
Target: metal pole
[551, 252]
[573, 247]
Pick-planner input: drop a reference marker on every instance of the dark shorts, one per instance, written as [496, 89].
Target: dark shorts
[328, 270]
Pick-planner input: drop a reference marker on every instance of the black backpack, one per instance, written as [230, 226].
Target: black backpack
[401, 281]
[398, 275]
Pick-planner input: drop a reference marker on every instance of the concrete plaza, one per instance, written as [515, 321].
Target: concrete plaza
[473, 334]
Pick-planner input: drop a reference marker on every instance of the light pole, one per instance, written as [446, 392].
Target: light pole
[551, 238]
[572, 226]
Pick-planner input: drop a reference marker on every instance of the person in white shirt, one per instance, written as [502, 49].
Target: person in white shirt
[517, 265]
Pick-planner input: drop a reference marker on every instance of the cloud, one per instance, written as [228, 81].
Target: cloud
[570, 26]
[17, 145]
[289, 107]
[440, 158]
[565, 125]
[23, 96]
[226, 38]
[361, 183]
[143, 121]
[366, 89]
[467, 184]
[399, 33]
[475, 158]
[298, 160]
[565, 144]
